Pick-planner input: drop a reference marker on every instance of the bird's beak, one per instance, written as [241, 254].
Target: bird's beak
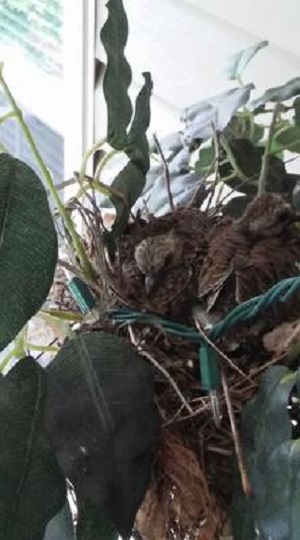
[149, 284]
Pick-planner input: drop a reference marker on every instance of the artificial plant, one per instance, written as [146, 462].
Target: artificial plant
[89, 418]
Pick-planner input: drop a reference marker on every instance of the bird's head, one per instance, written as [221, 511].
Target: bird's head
[154, 255]
[266, 214]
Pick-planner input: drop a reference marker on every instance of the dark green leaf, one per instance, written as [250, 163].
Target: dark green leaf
[249, 160]
[240, 61]
[61, 526]
[236, 206]
[138, 146]
[28, 246]
[206, 158]
[129, 183]
[244, 127]
[103, 423]
[288, 138]
[296, 106]
[266, 426]
[117, 76]
[32, 488]
[278, 513]
[91, 526]
[279, 93]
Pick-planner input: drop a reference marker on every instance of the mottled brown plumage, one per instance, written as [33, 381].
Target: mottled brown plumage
[249, 255]
[161, 259]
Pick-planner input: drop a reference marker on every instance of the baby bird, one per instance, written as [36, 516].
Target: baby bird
[154, 254]
[249, 255]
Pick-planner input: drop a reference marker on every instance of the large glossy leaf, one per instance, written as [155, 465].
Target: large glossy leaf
[32, 488]
[266, 430]
[103, 423]
[117, 76]
[202, 118]
[92, 526]
[238, 63]
[28, 246]
[61, 526]
[279, 93]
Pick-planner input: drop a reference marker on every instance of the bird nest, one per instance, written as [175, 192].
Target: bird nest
[193, 268]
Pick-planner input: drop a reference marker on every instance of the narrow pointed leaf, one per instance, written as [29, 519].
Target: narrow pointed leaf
[117, 76]
[103, 424]
[238, 63]
[138, 146]
[129, 183]
[28, 246]
[32, 488]
[278, 93]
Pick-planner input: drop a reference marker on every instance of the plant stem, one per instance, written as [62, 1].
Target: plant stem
[262, 181]
[87, 156]
[84, 261]
[232, 160]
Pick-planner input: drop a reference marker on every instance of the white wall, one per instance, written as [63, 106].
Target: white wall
[185, 45]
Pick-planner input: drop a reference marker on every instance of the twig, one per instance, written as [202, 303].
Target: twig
[216, 163]
[160, 368]
[262, 181]
[236, 438]
[166, 172]
[218, 351]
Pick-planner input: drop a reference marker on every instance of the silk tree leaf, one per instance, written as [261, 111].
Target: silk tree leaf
[129, 184]
[92, 526]
[215, 113]
[103, 423]
[32, 488]
[61, 526]
[28, 246]
[278, 513]
[238, 63]
[117, 77]
[266, 426]
[288, 138]
[138, 146]
[278, 93]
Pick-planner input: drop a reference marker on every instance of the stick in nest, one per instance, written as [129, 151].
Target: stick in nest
[160, 368]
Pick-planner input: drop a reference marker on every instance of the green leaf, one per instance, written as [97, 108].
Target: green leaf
[296, 106]
[28, 246]
[32, 488]
[237, 205]
[129, 184]
[278, 93]
[138, 146]
[248, 157]
[266, 426]
[103, 423]
[117, 76]
[205, 160]
[288, 138]
[278, 513]
[61, 526]
[242, 126]
[238, 63]
[92, 526]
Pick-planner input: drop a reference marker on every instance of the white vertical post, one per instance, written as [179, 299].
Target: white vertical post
[79, 78]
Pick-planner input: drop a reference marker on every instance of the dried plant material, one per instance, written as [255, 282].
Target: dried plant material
[284, 339]
[152, 519]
